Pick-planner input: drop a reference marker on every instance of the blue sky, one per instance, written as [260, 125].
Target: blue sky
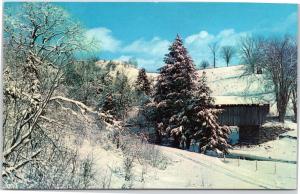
[145, 30]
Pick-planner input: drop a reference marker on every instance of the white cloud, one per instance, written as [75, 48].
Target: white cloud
[148, 53]
[104, 38]
[229, 37]
[154, 47]
[124, 58]
[202, 37]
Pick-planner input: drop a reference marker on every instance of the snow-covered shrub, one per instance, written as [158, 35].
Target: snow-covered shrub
[106, 179]
[128, 165]
[153, 156]
[64, 170]
[138, 147]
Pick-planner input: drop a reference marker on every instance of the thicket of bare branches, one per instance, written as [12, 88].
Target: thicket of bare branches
[39, 42]
[278, 59]
[249, 51]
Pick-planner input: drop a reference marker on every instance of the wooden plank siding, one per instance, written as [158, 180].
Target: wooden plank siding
[243, 114]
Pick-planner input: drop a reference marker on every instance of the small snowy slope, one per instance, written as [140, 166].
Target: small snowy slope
[231, 81]
[283, 148]
[193, 170]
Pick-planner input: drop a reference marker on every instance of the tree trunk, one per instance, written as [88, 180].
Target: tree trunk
[176, 143]
[281, 106]
[281, 116]
[295, 111]
[188, 143]
[294, 101]
[157, 137]
[214, 61]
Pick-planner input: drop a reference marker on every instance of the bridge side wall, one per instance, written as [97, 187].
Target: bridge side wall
[243, 115]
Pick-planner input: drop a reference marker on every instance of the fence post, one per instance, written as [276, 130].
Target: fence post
[239, 161]
[275, 167]
[255, 165]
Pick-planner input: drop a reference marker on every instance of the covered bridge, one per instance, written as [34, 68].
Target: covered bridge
[248, 117]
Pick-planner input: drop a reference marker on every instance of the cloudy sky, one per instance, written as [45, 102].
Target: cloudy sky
[145, 30]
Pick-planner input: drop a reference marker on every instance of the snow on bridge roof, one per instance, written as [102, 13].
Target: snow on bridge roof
[237, 100]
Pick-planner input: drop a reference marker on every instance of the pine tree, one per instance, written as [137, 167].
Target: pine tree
[182, 113]
[203, 92]
[204, 126]
[122, 93]
[173, 91]
[142, 83]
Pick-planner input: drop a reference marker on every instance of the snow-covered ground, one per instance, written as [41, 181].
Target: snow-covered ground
[283, 148]
[193, 168]
[271, 165]
[189, 170]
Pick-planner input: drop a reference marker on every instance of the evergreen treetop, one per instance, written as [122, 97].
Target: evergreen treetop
[142, 83]
[176, 79]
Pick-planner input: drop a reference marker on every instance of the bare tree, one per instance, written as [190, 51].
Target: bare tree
[204, 64]
[214, 47]
[39, 41]
[249, 52]
[227, 53]
[278, 56]
[294, 100]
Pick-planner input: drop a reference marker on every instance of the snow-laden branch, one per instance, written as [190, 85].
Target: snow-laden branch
[12, 169]
[107, 119]
[83, 108]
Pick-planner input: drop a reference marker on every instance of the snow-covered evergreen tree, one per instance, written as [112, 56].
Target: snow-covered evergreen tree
[184, 108]
[142, 84]
[203, 92]
[204, 126]
[173, 90]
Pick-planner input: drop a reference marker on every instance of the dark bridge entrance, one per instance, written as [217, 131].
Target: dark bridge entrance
[248, 117]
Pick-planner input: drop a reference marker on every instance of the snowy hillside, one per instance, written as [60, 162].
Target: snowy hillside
[120, 66]
[229, 85]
